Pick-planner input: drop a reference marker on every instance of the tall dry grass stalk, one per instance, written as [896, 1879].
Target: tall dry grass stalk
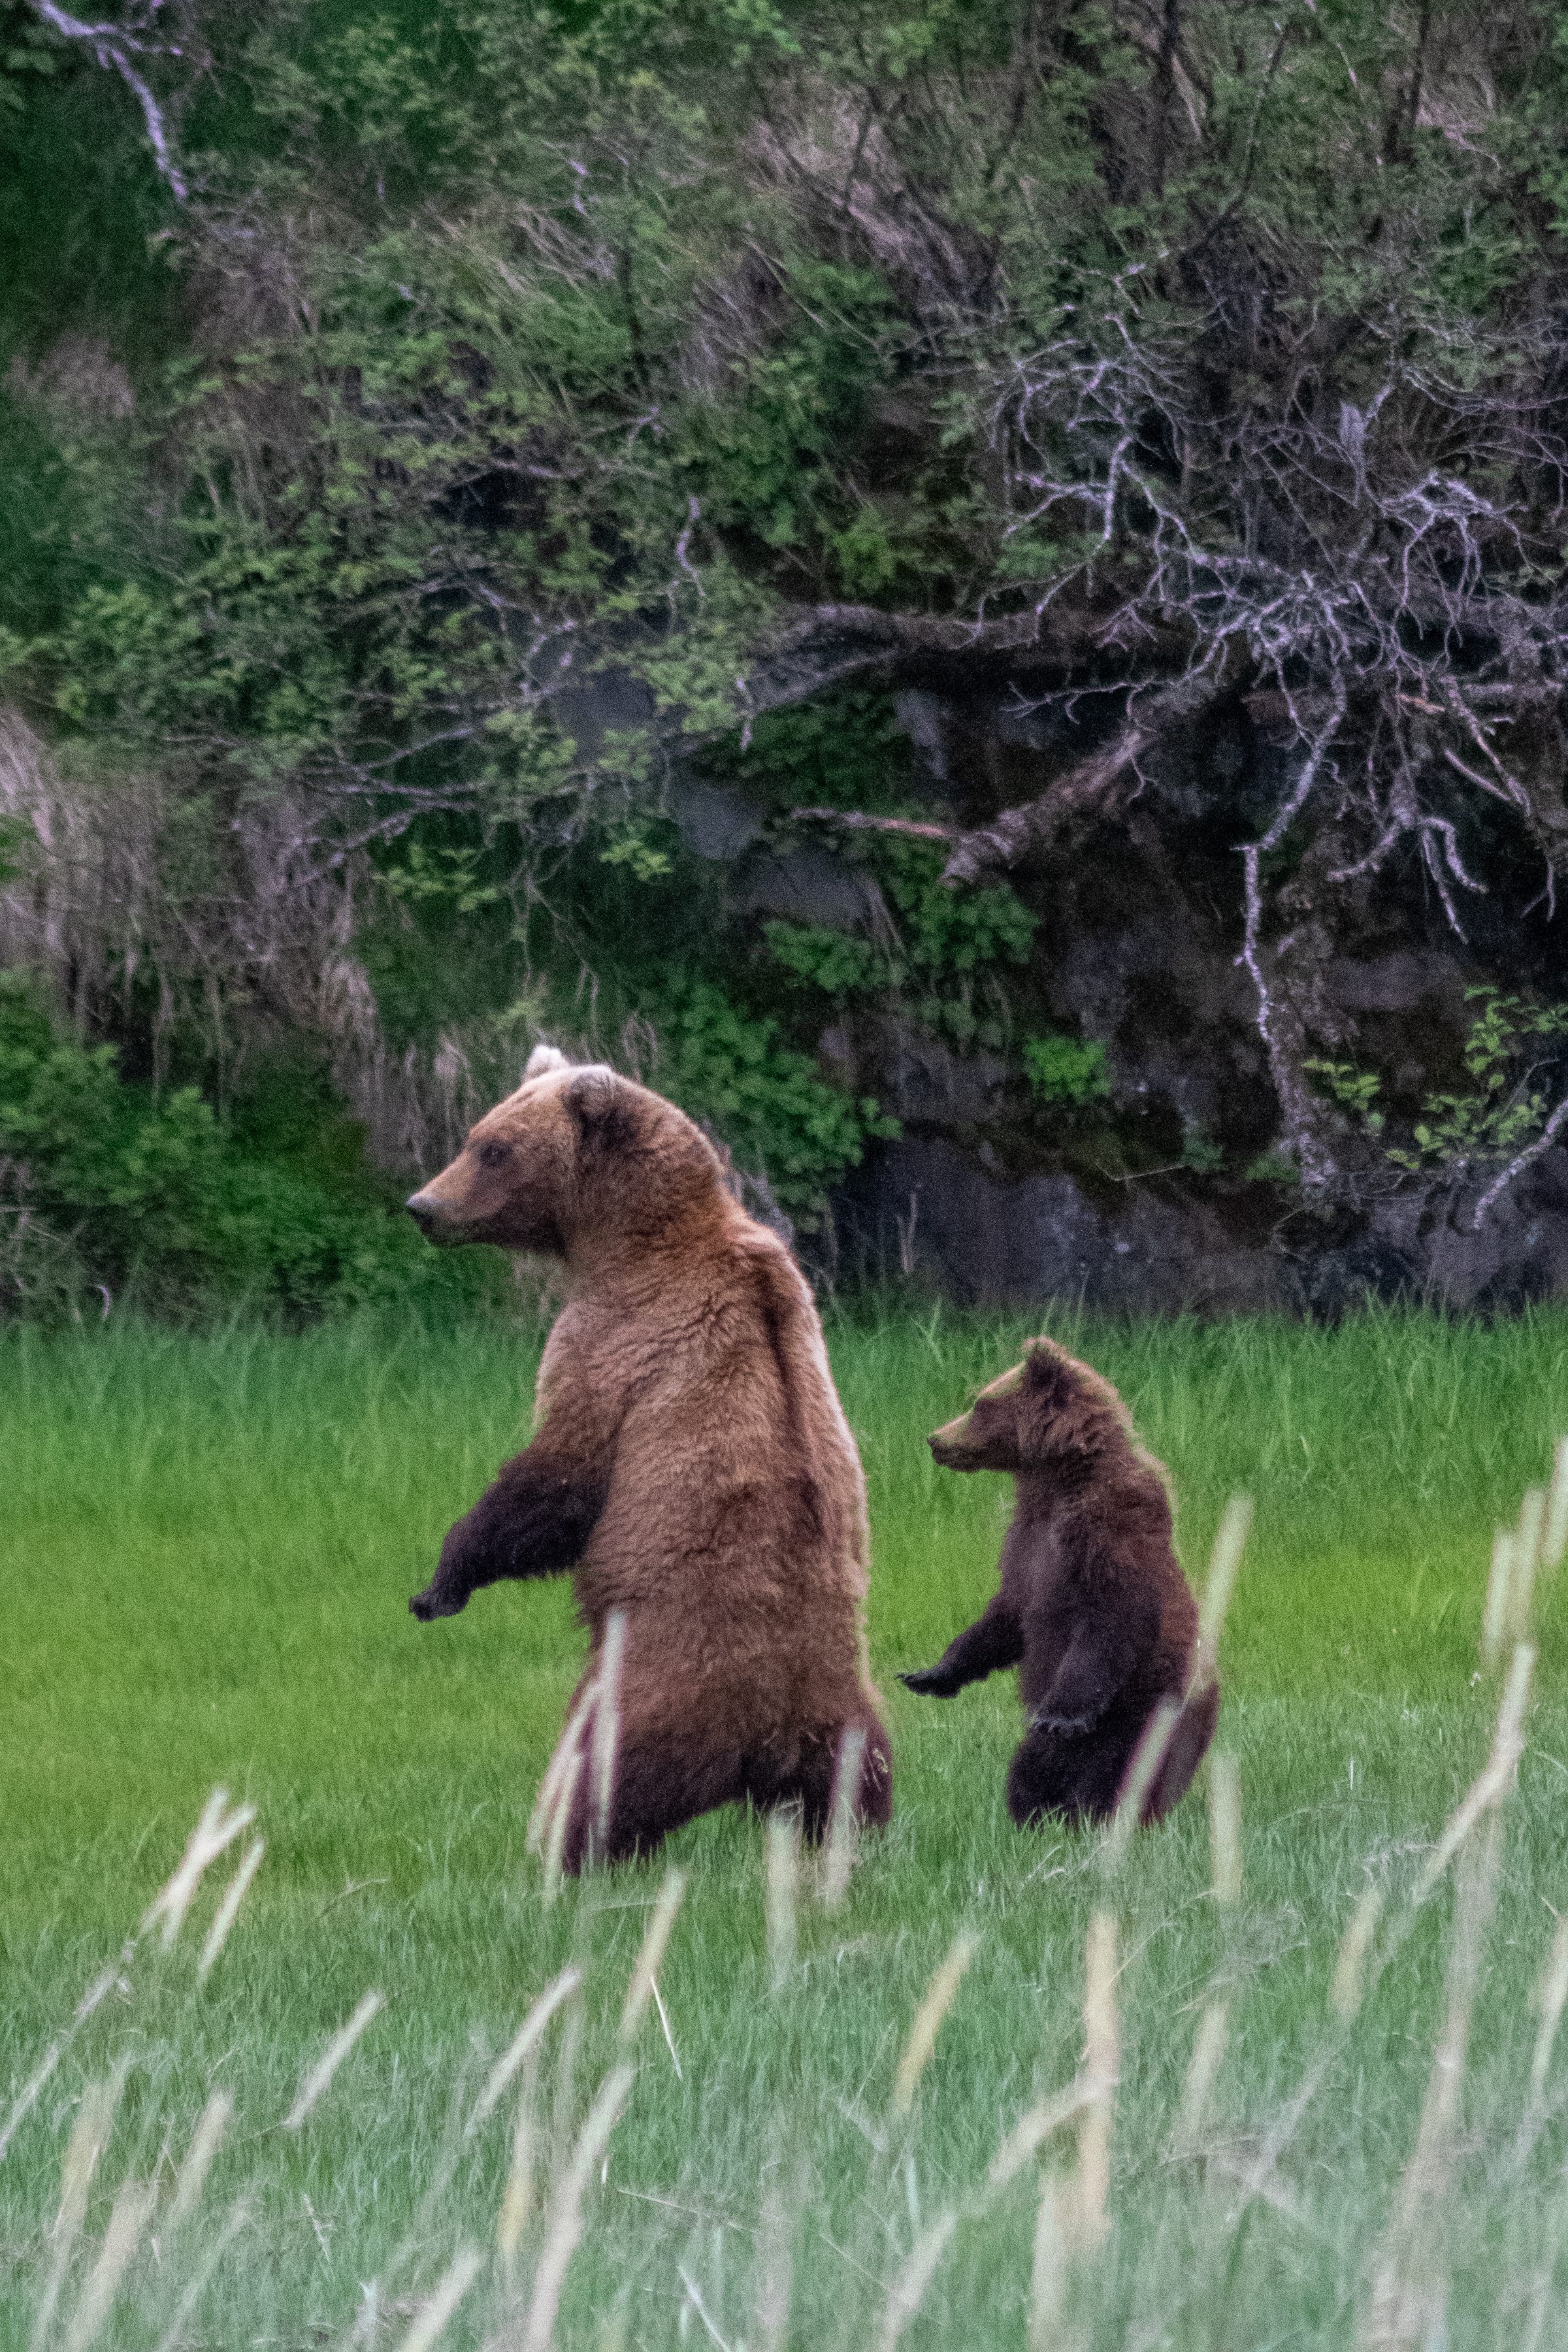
[1410, 2281]
[320, 2074]
[564, 2216]
[782, 1889]
[908, 2290]
[131, 2210]
[517, 2197]
[191, 2178]
[1224, 1827]
[89, 2137]
[214, 1833]
[606, 1725]
[1518, 1554]
[1347, 1983]
[775, 2271]
[1496, 1779]
[430, 2322]
[1203, 2073]
[1225, 1562]
[1050, 2264]
[37, 2081]
[227, 1911]
[941, 1993]
[555, 1843]
[1214, 2024]
[644, 1984]
[1101, 2067]
[1550, 1993]
[839, 1855]
[1555, 1535]
[530, 2033]
[175, 2335]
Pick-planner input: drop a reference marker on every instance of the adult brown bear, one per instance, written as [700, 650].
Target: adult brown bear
[691, 1464]
[1093, 1608]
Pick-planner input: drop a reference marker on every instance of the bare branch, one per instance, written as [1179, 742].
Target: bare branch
[115, 44]
[1035, 824]
[1517, 1165]
[854, 821]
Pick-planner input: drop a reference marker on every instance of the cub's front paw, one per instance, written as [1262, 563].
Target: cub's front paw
[932, 1682]
[433, 1603]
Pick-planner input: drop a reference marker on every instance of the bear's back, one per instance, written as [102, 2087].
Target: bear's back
[736, 1499]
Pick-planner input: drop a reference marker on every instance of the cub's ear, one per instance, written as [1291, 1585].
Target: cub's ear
[542, 1060]
[1056, 1418]
[606, 1112]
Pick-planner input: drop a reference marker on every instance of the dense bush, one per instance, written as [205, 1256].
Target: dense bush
[424, 424]
[105, 1188]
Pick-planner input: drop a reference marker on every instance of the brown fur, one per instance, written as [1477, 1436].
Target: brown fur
[1093, 1609]
[691, 1465]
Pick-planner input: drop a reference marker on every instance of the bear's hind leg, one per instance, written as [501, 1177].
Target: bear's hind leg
[1070, 1776]
[655, 1790]
[1189, 1746]
[810, 1784]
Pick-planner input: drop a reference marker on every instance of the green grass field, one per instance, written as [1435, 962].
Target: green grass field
[208, 1543]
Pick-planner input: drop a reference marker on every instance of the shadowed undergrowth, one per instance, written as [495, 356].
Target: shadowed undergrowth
[207, 1546]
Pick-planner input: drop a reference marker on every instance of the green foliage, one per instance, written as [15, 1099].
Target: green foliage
[446, 874]
[111, 1187]
[939, 957]
[1272, 1168]
[610, 339]
[1354, 1090]
[1066, 1069]
[769, 1104]
[1506, 1110]
[1510, 1043]
[1200, 1150]
[940, 966]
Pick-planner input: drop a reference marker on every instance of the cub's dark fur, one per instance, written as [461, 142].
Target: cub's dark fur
[1094, 1609]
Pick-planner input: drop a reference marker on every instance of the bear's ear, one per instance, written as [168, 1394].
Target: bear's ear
[1061, 1408]
[542, 1060]
[606, 1111]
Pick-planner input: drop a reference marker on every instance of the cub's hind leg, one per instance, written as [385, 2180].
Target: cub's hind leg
[1070, 1776]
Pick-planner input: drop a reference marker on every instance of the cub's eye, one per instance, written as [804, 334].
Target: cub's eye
[494, 1155]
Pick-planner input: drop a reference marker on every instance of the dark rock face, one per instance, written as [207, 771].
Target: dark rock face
[929, 1211]
[1170, 1197]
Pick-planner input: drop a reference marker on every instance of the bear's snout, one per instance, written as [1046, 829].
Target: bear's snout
[433, 1217]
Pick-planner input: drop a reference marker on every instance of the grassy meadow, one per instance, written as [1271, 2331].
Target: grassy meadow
[207, 1546]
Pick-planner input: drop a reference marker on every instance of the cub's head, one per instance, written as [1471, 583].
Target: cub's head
[1045, 1414]
[578, 1154]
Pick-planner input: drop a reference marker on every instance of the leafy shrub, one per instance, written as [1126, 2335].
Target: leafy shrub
[107, 1186]
[770, 1104]
[1066, 1069]
[1509, 1045]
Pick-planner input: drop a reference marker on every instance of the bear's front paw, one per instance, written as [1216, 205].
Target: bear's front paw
[432, 1603]
[932, 1682]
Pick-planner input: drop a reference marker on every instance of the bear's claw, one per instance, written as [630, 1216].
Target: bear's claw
[929, 1682]
[431, 1603]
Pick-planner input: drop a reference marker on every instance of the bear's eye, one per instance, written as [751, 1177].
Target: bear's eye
[494, 1155]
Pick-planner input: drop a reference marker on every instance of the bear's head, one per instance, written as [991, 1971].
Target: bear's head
[1049, 1413]
[578, 1154]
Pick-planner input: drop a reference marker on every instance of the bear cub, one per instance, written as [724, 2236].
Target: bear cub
[1093, 1608]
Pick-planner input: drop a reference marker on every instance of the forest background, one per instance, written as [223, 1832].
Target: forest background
[470, 474]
